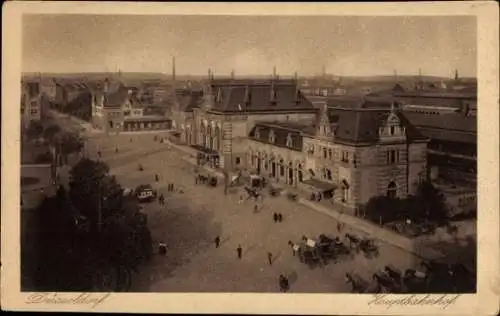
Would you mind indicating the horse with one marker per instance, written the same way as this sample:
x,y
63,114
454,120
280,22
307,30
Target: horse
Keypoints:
x,y
386,285
252,193
392,273
414,281
356,283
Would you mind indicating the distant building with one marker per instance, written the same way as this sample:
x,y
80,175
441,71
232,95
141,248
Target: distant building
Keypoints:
x,y
270,128
115,108
33,102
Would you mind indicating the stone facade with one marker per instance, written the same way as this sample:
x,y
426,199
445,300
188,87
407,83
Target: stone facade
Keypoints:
x,y
359,152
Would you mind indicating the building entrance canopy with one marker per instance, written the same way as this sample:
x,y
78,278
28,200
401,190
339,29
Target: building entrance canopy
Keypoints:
x,y
206,151
319,185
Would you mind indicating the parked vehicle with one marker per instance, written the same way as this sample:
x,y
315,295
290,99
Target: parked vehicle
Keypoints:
x,y
145,193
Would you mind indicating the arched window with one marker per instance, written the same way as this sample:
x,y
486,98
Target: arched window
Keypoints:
x,y
392,190
257,133
282,168
289,140
300,174
272,136
290,173
328,174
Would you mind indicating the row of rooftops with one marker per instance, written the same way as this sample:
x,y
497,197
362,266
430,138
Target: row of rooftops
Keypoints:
x,y
350,126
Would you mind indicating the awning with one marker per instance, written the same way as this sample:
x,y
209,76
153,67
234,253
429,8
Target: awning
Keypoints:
x,y
205,150
320,185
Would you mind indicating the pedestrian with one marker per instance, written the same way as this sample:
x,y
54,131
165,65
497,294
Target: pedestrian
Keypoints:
x,y
116,150
256,207
280,217
162,248
275,217
99,154
295,247
270,258
339,227
157,178
217,242
281,283
239,251
285,284
240,201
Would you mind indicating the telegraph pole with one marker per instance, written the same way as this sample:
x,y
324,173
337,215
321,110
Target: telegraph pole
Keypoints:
x,y
99,208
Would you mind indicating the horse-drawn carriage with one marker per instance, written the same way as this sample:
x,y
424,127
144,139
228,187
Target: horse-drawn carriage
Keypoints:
x,y
309,255
322,250
145,193
365,245
207,179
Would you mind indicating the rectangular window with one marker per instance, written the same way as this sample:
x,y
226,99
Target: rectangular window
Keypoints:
x,y
324,152
34,111
345,156
238,160
330,153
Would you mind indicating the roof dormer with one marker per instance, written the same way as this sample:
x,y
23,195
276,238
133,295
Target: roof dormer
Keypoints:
x,y
324,127
392,128
272,136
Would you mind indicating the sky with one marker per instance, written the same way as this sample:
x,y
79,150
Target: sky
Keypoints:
x,y
250,45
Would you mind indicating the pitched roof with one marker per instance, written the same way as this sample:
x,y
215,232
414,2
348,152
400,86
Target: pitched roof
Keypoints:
x,y
116,98
281,132
230,96
450,136
451,121
362,125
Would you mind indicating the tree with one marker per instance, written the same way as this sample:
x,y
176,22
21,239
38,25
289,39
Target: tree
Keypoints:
x,y
120,237
51,131
431,203
382,209
67,143
45,157
93,191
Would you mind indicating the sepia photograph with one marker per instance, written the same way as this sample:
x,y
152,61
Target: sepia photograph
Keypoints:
x,y
254,153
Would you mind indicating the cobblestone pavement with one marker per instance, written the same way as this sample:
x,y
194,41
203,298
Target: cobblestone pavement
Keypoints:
x,y
191,220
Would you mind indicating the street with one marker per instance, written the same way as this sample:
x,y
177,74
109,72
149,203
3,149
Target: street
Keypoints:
x,y
191,220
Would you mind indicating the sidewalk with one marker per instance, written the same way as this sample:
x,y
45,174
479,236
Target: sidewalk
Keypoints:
x,y
375,231
385,235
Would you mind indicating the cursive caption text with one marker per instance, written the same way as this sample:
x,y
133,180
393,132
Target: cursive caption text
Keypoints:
x,y
92,299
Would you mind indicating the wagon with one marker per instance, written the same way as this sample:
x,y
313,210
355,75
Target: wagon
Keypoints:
x,y
145,193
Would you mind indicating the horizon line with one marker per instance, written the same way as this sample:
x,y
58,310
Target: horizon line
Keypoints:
x,y
243,75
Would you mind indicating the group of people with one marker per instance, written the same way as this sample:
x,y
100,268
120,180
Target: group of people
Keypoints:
x,y
277,217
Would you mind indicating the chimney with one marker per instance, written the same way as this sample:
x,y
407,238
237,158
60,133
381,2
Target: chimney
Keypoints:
x,y
456,75
296,78
273,95
219,95
465,108
106,85
248,96
297,95
274,73
232,74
